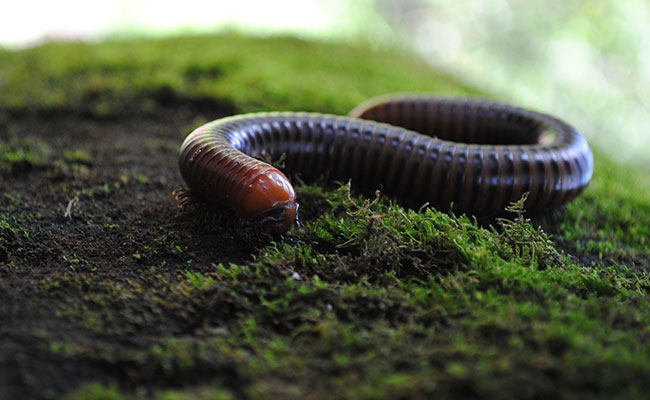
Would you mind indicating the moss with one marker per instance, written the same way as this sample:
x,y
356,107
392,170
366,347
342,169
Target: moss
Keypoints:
x,y
121,77
18,155
77,156
366,299
95,391
611,221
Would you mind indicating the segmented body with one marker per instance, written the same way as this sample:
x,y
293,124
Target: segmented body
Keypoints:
x,y
475,155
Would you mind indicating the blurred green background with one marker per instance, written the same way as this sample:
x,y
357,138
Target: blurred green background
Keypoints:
x,y
587,61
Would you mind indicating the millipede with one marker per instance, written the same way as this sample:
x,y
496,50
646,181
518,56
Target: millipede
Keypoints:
x,y
470,155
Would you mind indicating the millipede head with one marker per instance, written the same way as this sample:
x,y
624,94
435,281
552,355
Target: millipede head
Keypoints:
x,y
279,219
268,199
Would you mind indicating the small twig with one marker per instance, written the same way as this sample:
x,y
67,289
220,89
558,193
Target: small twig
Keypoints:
x,y
72,203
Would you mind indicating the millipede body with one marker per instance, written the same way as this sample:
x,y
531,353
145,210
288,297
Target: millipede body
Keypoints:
x,y
475,156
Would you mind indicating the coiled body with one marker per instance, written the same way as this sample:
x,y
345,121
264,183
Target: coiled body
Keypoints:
x,y
472,155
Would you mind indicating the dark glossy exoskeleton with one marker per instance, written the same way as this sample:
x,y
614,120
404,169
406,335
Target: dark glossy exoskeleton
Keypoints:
x,y
474,154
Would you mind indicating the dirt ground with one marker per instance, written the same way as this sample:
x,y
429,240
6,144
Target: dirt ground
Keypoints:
x,y
104,217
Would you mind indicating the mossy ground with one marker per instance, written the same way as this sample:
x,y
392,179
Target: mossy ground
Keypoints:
x,y
107,292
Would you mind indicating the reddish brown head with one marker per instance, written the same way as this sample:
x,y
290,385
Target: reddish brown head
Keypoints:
x,y
269,199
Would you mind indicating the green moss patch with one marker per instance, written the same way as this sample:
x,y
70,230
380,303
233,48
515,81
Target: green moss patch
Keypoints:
x,y
122,77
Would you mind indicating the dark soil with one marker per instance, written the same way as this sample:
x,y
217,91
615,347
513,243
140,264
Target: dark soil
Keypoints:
x,y
122,219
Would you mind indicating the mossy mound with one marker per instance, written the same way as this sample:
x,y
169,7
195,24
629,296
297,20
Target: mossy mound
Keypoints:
x,y
107,292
